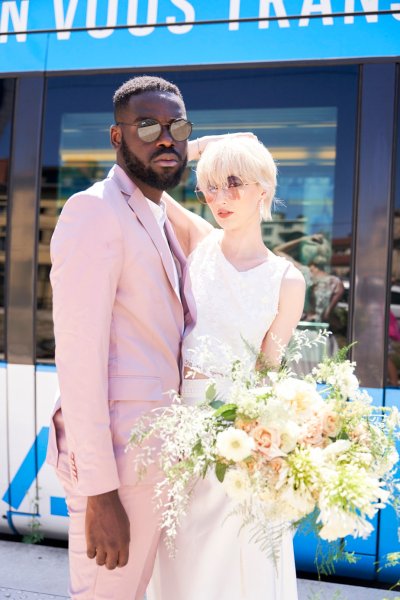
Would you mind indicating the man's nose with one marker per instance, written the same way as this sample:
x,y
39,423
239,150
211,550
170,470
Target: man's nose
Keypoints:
x,y
165,138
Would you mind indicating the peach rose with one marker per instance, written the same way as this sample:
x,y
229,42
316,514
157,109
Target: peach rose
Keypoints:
x,y
267,441
246,426
312,434
331,423
276,464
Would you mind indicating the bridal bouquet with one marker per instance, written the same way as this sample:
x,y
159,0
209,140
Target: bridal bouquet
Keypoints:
x,y
284,447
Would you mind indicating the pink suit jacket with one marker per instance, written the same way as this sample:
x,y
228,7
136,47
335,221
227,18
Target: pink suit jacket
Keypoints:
x,y
118,326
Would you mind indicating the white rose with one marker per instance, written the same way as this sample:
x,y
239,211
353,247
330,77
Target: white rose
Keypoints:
x,y
302,396
234,444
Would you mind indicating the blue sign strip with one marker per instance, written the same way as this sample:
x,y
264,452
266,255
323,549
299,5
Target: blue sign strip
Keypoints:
x,y
196,41
58,506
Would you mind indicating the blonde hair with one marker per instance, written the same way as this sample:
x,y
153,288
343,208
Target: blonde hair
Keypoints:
x,y
244,157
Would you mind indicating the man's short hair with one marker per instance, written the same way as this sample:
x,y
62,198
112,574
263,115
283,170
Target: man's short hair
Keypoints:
x,y
140,85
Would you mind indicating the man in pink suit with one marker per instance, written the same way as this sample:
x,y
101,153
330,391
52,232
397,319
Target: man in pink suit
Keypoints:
x,y
121,306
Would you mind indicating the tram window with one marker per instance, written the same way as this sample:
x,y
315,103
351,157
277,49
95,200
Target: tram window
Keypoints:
x,y
6,106
393,346
307,117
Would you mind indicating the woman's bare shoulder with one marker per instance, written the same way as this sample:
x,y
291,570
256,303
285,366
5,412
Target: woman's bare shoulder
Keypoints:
x,y
293,279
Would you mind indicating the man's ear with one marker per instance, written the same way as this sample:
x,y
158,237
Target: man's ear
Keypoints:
x,y
115,136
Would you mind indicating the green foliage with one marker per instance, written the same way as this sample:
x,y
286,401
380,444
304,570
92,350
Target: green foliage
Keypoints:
x,y
220,470
35,536
211,393
216,404
227,412
327,555
341,355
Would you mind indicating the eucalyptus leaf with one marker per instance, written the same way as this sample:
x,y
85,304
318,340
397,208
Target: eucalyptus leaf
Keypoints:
x,y
216,403
220,470
211,392
220,412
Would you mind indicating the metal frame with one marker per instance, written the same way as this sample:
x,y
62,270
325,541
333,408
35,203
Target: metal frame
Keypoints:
x,y
23,212
372,221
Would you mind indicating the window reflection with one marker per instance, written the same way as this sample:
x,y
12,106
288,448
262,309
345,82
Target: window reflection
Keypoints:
x,y
6,104
84,157
305,117
312,222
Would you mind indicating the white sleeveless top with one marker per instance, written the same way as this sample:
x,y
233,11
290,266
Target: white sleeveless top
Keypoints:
x,y
235,308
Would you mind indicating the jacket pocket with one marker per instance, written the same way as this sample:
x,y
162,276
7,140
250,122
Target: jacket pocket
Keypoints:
x,y
138,389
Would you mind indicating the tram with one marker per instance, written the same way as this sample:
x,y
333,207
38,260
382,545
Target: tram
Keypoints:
x,y
316,80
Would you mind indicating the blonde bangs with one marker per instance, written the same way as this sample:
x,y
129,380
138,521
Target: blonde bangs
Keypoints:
x,y
246,158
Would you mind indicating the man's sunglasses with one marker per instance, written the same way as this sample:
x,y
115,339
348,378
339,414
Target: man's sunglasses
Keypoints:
x,y
149,130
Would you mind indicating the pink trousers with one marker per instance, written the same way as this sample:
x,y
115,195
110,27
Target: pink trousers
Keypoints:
x,y
88,581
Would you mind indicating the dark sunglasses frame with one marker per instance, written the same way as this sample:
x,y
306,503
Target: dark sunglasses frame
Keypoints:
x,y
172,128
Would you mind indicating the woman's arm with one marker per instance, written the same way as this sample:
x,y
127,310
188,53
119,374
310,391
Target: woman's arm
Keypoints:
x,y
291,304
197,146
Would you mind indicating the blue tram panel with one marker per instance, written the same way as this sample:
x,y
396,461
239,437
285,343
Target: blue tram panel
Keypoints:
x,y
383,540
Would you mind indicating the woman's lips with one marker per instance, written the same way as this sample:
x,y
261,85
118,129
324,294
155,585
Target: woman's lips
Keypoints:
x,y
224,213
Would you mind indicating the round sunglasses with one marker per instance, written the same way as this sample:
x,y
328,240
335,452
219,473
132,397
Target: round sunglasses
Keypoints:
x,y
233,189
149,130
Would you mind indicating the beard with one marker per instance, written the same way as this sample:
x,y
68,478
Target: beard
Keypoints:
x,y
138,170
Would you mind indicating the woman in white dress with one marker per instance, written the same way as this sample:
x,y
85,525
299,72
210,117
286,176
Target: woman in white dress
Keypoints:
x,y
246,297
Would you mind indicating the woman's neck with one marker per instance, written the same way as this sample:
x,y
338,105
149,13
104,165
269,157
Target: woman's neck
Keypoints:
x,y
244,249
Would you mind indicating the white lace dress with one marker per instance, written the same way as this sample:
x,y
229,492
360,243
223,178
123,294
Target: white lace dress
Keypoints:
x,y
215,561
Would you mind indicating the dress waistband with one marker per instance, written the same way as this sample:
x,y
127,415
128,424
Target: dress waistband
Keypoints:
x,y
194,390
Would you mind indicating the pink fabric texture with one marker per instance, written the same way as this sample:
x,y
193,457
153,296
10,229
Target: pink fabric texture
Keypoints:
x,y
118,326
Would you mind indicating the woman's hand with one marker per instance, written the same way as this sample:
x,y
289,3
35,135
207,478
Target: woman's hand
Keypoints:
x,y
196,147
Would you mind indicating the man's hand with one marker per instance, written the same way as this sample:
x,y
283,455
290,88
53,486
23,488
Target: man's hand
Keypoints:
x,y
107,530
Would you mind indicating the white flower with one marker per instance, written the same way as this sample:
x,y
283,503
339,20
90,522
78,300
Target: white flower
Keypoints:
x,y
234,444
247,402
340,376
338,523
289,436
299,500
336,448
237,484
393,420
302,397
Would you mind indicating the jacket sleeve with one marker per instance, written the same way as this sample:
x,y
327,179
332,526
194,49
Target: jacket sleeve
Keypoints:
x,y
87,257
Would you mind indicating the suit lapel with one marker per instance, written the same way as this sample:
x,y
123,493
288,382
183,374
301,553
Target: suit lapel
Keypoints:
x,y
188,303
138,203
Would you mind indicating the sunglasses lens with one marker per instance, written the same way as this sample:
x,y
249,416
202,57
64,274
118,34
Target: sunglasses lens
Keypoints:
x,y
149,132
200,196
181,130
